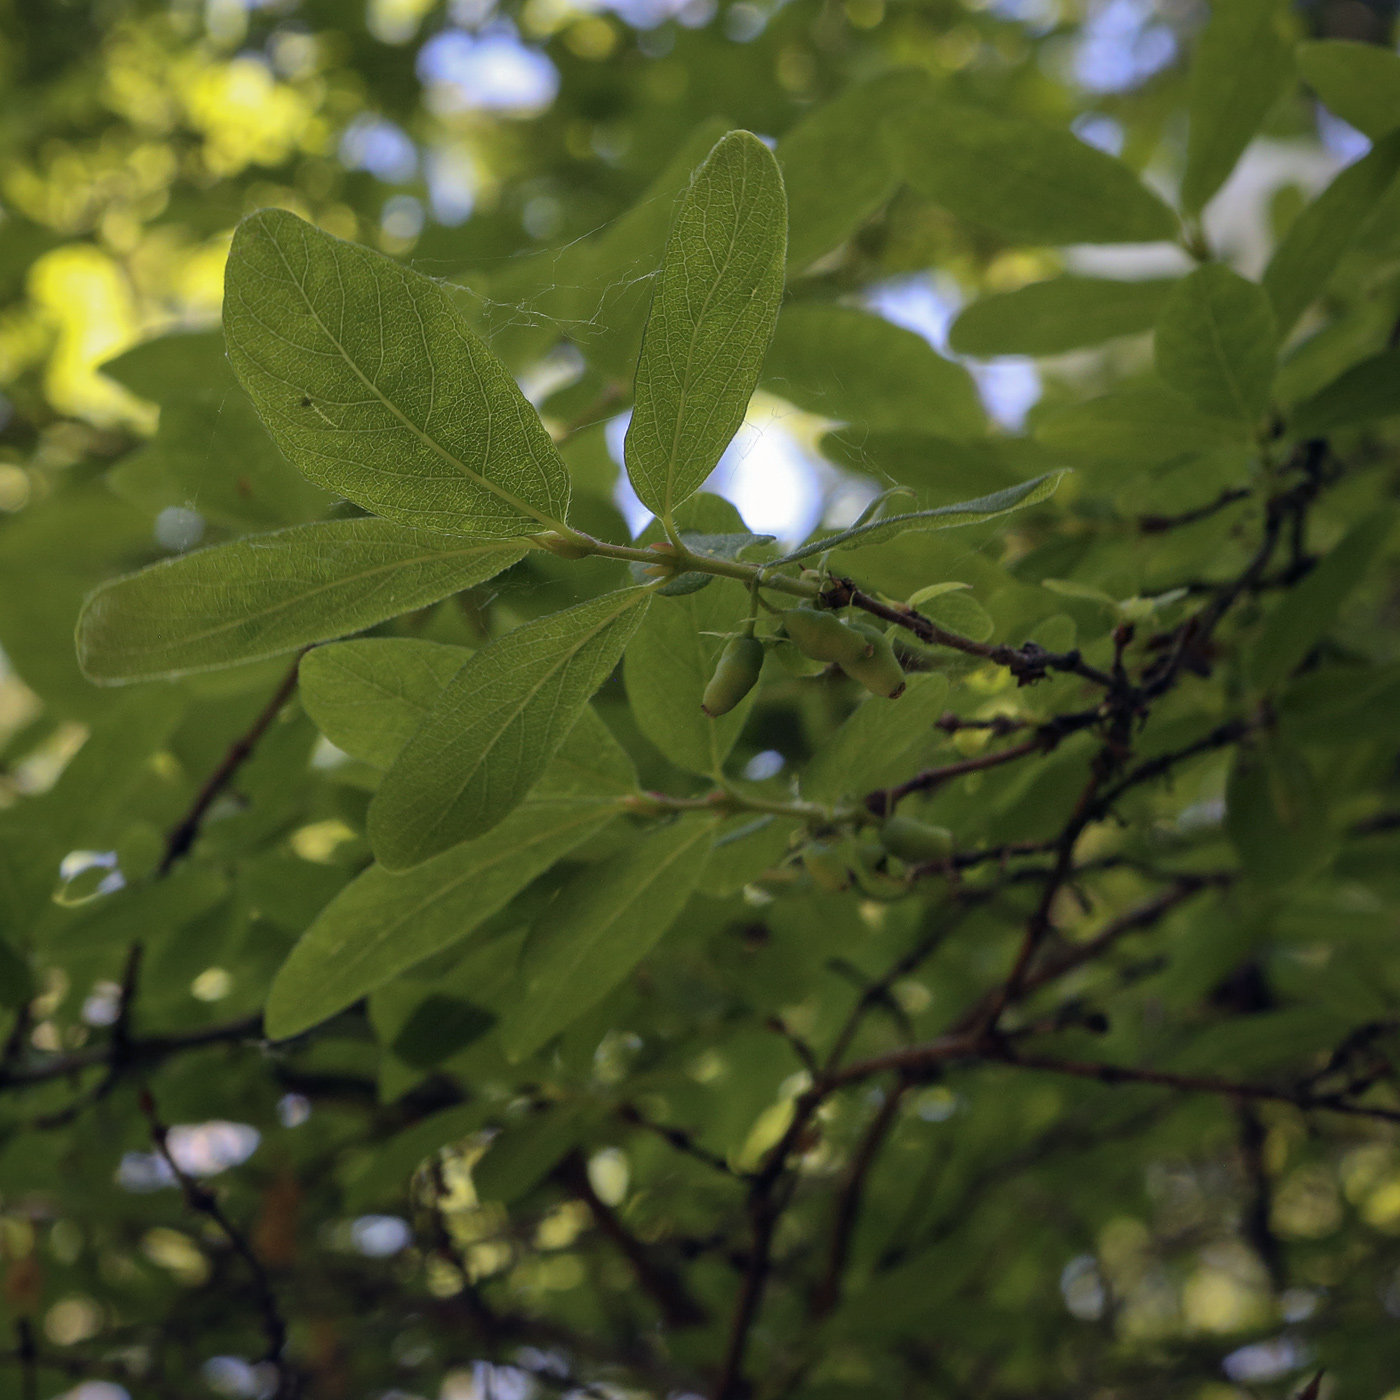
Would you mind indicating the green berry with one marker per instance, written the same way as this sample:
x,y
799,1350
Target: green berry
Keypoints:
x,y
735,675
879,671
915,841
824,637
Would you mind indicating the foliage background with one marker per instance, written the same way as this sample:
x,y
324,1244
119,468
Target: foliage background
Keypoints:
x,y
1025,1235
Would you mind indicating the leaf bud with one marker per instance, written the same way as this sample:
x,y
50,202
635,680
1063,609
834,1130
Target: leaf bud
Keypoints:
x,y
824,637
561,545
666,561
735,675
915,841
880,671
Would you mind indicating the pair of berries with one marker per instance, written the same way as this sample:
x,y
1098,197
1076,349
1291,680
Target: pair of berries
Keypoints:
x,y
863,652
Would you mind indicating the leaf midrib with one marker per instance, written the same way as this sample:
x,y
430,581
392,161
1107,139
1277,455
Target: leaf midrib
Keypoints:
x,y
528,696
188,639
450,458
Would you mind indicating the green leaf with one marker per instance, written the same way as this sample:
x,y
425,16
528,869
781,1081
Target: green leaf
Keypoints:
x,y
1367,390
368,697
1316,240
1359,82
603,924
211,452
857,367
1274,814
836,169
374,386
1030,183
519,1158
1306,611
878,743
1063,313
385,1175
1141,427
932,463
742,850
1217,343
384,922
269,594
669,663
1028,493
495,727
1068,588
712,315
1241,66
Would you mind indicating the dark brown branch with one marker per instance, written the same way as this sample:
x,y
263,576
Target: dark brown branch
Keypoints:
x,y
1259,1208
1197,1084
661,1283
27,1354
118,1048
1028,663
143,1053
1047,737
1220,737
883,801
1374,826
681,1140
1159,524
203,1201
827,1294
182,836
1000,725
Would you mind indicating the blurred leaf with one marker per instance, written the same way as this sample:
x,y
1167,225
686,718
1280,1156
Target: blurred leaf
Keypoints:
x,y
272,593
211,453
1316,240
1030,183
836,169
1359,82
1274,814
1217,343
878,741
1135,428
374,386
495,726
1367,390
368,697
1063,313
383,922
857,367
1305,613
1239,70
608,919
713,309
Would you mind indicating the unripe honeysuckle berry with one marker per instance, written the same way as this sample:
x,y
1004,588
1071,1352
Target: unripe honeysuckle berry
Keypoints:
x,y
735,675
915,841
879,671
824,637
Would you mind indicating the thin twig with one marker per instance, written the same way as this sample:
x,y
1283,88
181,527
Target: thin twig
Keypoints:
x,y
202,1200
681,1140
1158,524
660,1282
145,1053
827,1294
185,832
1028,663
1197,1084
